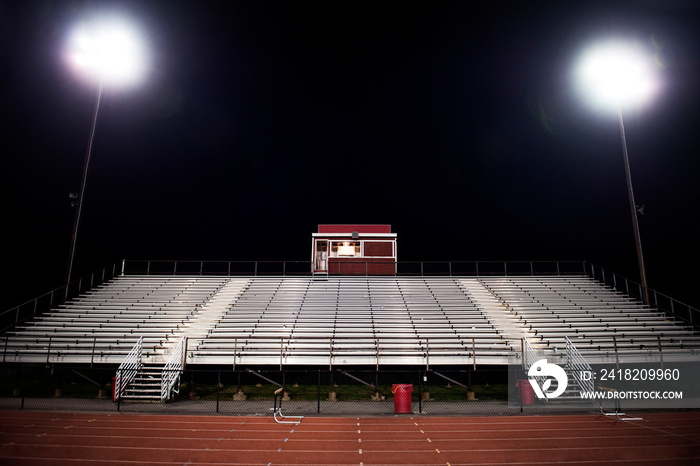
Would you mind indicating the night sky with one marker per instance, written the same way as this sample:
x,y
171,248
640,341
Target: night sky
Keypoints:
x,y
457,123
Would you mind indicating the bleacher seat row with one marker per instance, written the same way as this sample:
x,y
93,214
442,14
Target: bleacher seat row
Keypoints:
x,y
342,320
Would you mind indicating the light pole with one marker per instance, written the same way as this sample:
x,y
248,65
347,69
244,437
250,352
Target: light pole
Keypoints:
x,y
618,75
107,51
79,199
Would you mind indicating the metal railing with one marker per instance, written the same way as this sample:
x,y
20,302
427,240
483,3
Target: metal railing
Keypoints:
x,y
354,267
370,350
576,364
23,312
172,370
529,355
128,369
675,309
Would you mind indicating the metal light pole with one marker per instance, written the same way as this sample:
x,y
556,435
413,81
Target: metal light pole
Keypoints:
x,y
108,51
633,209
621,74
81,194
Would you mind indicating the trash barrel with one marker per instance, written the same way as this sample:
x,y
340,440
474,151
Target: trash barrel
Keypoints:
x,y
402,397
527,394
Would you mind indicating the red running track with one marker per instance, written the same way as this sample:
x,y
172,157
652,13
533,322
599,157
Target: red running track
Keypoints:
x,y
60,438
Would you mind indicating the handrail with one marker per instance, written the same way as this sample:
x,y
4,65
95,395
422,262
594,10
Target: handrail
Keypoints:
x,y
673,308
128,369
172,369
23,312
530,356
374,346
577,364
403,268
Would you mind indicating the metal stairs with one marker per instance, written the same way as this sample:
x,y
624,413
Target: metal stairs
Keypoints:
x,y
573,391
146,384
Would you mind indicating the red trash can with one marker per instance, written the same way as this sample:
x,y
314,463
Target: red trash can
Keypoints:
x,y
402,397
527,394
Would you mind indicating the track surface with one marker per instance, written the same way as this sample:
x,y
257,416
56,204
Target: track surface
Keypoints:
x,y
60,438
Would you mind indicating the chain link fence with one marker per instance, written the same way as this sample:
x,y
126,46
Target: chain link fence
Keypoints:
x,y
337,392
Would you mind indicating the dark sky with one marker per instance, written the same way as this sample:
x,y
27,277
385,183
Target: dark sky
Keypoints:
x,y
458,123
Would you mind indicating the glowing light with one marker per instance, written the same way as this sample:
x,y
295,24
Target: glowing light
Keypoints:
x,y
108,50
617,75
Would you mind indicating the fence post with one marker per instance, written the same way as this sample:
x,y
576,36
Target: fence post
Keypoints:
x,y
318,395
218,388
420,391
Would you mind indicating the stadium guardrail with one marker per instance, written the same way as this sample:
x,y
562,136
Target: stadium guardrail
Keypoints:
x,y
32,308
408,268
673,308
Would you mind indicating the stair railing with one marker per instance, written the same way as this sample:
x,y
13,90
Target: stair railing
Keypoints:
x,y
172,370
576,365
128,369
529,358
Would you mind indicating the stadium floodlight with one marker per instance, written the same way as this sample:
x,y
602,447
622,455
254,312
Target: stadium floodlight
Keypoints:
x,y
617,75
108,51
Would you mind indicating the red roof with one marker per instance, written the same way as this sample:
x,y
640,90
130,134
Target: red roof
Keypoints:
x,y
357,228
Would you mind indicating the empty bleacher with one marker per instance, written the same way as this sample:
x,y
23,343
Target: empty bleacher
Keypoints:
x,y
104,324
599,320
347,320
351,320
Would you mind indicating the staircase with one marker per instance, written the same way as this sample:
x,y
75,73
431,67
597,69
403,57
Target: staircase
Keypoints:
x,y
146,385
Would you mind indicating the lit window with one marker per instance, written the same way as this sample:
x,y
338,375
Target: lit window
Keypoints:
x,y
345,249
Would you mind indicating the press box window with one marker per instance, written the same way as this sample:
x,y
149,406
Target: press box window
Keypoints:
x,y
345,249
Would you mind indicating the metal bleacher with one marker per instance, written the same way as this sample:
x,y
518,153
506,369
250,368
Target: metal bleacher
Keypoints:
x,y
347,320
103,325
352,320
603,323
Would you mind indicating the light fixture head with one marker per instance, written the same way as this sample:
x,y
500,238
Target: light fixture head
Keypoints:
x,y
614,74
109,50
